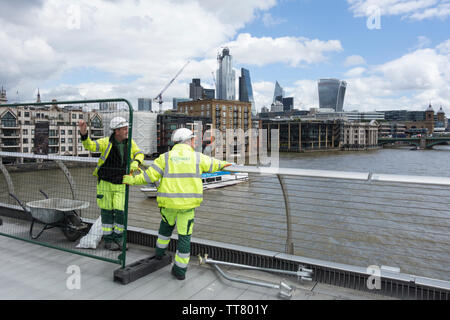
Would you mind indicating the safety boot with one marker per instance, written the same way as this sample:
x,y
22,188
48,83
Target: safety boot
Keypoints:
x,y
178,276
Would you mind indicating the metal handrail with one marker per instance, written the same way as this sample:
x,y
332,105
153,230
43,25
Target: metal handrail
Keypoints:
x,y
347,175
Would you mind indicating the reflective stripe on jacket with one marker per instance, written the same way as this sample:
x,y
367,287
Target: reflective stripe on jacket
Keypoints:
x,y
180,171
104,146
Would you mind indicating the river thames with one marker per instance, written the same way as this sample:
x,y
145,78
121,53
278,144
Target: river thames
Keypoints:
x,y
403,161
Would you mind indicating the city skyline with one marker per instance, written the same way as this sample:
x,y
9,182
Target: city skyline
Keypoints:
x,y
392,54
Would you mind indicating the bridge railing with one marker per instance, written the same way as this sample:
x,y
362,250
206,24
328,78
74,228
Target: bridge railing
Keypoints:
x,y
359,219
328,218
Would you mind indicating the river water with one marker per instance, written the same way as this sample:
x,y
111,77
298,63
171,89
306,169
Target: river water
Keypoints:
x,y
403,161
342,221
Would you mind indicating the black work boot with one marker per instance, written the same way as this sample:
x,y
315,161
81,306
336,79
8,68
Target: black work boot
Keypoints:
x,y
178,276
117,246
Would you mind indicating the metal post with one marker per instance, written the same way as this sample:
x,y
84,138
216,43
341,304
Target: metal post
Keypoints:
x,y
289,244
68,177
122,256
7,177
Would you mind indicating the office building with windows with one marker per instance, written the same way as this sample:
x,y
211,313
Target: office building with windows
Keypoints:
x,y
175,102
195,90
209,94
245,89
278,93
288,104
225,83
167,123
332,94
18,129
225,114
144,104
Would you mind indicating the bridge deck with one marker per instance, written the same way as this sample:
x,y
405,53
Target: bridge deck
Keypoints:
x,y
34,272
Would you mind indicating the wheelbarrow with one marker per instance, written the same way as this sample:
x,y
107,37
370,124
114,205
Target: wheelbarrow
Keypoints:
x,y
56,212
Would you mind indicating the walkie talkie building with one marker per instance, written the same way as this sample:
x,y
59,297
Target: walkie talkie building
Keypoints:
x,y
332,94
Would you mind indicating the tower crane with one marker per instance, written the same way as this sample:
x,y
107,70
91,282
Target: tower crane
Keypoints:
x,y
158,98
214,78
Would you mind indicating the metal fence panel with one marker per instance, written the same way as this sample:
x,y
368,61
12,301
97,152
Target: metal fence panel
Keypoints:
x,y
44,191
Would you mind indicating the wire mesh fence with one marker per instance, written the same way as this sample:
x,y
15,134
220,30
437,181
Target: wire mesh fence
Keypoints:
x,y
48,193
352,222
349,221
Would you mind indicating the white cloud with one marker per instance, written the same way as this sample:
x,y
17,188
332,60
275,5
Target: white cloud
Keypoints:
x,y
234,12
442,11
305,94
263,93
269,21
355,72
354,60
422,69
31,58
293,51
409,82
444,48
422,42
411,9
148,39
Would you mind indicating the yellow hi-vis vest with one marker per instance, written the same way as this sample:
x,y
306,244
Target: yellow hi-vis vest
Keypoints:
x,y
180,174
104,146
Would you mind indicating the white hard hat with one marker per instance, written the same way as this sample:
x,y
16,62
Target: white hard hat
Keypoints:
x,y
118,122
181,135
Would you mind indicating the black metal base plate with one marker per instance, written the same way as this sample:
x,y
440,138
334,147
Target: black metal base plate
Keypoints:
x,y
141,268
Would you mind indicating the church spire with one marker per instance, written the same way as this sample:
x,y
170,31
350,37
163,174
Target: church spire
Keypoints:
x,y
3,96
38,96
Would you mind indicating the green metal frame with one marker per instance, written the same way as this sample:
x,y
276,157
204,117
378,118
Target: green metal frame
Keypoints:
x,y
122,257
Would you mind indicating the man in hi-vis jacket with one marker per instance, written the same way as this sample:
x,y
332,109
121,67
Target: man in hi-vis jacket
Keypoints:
x,y
110,170
178,177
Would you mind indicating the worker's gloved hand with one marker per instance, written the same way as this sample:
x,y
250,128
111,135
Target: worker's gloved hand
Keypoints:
x,y
229,164
134,166
128,179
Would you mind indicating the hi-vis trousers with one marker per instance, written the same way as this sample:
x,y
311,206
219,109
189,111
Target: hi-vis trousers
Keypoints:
x,y
111,200
185,225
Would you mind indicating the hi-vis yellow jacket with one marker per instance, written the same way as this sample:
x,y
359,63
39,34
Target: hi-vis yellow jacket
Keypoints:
x,y
178,176
104,145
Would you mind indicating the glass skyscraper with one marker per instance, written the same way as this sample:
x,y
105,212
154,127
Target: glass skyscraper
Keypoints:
x,y
278,94
332,94
225,84
245,89
195,90
144,104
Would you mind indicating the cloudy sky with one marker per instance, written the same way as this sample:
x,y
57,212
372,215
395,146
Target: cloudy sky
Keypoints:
x,y
394,54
